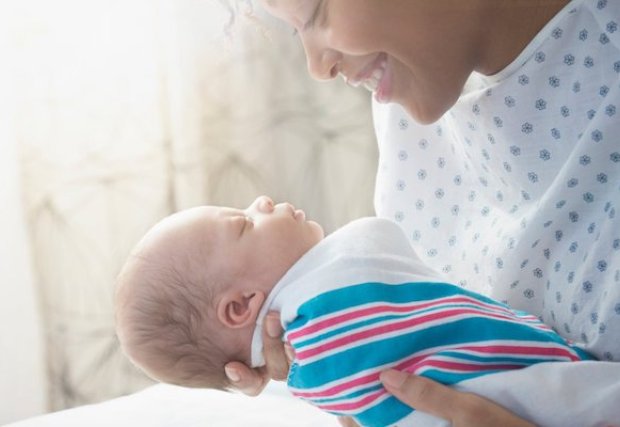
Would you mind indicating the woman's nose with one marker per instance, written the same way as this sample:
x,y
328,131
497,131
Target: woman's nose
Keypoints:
x,y
323,62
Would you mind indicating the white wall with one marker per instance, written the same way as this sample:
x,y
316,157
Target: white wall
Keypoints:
x,y
22,375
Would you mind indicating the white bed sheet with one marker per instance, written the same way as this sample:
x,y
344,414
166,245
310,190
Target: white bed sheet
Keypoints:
x,y
164,405
581,394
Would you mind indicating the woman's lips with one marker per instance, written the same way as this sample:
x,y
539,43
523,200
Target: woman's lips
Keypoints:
x,y
383,93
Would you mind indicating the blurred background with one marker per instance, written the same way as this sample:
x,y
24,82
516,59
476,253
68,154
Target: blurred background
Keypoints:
x,y
115,113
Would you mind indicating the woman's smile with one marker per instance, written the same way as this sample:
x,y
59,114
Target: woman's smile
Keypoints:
x,y
376,77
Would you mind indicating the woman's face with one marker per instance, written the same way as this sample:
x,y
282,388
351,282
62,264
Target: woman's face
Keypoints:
x,y
417,53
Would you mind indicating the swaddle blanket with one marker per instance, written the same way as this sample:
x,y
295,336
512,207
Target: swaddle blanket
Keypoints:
x,y
361,301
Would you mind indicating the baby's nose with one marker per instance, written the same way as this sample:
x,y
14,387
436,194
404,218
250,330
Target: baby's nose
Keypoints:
x,y
285,206
263,204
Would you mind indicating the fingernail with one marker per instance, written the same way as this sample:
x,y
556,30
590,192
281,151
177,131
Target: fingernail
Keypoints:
x,y
232,374
393,379
273,326
290,353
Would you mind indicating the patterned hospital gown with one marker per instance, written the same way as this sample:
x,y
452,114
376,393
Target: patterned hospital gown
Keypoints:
x,y
515,192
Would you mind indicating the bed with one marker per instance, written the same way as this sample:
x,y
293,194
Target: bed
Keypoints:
x,y
165,405
590,389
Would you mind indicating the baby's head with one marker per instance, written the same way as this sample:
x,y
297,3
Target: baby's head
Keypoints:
x,y
189,295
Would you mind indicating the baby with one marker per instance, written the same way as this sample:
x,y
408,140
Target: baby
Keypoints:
x,y
194,292
188,298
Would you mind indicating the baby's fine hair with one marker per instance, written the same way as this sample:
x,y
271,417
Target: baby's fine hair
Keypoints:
x,y
163,323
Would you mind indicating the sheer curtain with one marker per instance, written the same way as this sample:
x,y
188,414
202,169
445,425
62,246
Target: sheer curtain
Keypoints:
x,y
21,347
128,110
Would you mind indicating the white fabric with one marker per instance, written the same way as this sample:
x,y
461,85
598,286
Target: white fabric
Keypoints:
x,y
375,249
170,406
365,250
580,394
515,192
165,405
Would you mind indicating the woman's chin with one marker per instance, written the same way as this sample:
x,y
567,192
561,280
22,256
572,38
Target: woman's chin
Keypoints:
x,y
426,112
423,116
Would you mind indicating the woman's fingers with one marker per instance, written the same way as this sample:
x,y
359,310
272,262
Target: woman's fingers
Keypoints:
x,y
461,409
246,380
290,353
252,381
347,422
273,347
420,393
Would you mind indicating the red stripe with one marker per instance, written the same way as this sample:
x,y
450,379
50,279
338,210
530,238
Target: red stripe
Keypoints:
x,y
360,381
411,364
526,350
461,366
366,379
350,406
353,405
384,329
345,317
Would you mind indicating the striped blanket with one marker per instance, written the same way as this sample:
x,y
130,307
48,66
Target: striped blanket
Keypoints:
x,y
361,301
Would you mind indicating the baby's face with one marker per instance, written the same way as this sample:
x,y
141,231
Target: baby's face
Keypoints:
x,y
260,242
266,236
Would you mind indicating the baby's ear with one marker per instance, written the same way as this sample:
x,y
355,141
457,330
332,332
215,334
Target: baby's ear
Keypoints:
x,y
237,309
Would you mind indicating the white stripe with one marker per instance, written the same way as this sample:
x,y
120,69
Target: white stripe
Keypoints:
x,y
357,411
365,372
387,335
431,351
482,306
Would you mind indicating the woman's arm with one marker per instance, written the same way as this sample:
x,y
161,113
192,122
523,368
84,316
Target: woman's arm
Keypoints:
x,y
252,381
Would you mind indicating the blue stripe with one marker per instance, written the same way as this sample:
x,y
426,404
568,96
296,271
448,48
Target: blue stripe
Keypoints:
x,y
388,350
365,293
474,329
387,412
367,322
366,390
449,378
493,358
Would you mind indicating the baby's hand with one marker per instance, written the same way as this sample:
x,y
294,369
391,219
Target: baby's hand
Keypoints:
x,y
252,381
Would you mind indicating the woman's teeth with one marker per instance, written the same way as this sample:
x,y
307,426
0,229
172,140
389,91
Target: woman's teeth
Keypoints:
x,y
372,82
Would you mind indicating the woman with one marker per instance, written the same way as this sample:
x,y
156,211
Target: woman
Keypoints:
x,y
499,156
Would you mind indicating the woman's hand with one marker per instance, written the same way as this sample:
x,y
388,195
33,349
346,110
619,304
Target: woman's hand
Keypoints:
x,y
252,381
461,409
